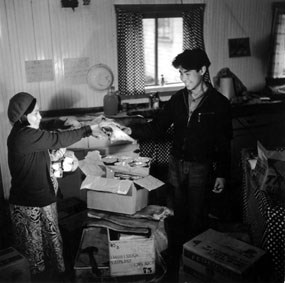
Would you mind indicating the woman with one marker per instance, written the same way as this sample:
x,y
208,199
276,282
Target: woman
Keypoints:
x,y
32,195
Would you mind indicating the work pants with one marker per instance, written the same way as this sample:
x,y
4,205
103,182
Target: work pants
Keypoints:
x,y
192,183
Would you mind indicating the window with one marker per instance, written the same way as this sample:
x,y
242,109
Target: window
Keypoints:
x,y
276,74
163,40
148,39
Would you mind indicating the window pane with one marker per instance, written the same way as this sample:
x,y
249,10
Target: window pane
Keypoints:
x,y
278,64
169,44
149,50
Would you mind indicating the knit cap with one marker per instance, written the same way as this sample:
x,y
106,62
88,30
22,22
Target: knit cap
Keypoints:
x,y
18,105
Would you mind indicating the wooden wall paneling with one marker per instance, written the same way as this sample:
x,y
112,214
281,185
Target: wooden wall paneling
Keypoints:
x,y
66,48
13,45
26,42
105,42
6,87
233,19
43,47
55,94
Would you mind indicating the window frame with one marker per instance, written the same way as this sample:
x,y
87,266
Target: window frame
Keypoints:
x,y
277,9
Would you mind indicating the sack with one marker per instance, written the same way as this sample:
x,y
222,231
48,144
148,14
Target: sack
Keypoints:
x,y
63,160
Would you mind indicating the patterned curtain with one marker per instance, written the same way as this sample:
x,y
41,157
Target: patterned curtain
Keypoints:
x,y
130,52
193,33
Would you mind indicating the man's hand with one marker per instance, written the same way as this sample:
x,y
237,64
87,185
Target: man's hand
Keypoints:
x,y
106,128
96,132
219,185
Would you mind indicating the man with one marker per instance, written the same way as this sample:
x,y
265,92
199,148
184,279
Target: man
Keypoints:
x,y
200,156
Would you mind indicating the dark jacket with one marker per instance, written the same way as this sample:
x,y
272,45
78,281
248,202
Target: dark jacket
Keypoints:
x,y
29,163
205,137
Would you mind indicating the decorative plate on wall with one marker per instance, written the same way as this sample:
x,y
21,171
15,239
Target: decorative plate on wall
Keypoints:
x,y
100,77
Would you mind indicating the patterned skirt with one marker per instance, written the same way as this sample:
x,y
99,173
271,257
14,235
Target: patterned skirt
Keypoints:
x,y
37,236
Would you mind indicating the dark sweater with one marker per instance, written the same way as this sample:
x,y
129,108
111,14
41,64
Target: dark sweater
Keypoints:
x,y
29,162
205,137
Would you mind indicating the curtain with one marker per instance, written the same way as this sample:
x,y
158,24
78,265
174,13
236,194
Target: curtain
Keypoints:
x,y
193,33
130,52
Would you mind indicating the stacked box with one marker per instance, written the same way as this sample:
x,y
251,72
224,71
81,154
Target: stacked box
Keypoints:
x,y
121,196
217,257
116,255
131,255
122,188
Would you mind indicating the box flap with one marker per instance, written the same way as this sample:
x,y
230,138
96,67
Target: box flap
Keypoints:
x,y
97,183
149,183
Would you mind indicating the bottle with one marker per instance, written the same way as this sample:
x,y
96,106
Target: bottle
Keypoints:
x,y
162,81
156,101
110,102
119,101
151,98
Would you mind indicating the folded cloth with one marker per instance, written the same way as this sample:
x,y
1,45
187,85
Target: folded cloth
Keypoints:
x,y
137,223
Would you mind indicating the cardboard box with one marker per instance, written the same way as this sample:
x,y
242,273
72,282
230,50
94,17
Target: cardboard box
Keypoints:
x,y
121,196
14,267
92,237
216,257
131,255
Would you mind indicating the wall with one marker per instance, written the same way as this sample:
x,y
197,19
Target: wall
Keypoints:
x,y
42,29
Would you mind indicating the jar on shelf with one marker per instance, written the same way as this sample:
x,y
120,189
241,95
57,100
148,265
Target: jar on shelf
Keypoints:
x,y
111,102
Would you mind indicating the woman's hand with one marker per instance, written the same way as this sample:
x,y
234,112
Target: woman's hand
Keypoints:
x,y
72,122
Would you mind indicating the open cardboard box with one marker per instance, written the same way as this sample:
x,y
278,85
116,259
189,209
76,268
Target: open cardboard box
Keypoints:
x,y
121,196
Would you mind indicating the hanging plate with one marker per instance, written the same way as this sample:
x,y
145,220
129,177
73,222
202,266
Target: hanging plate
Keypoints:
x,y
100,77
